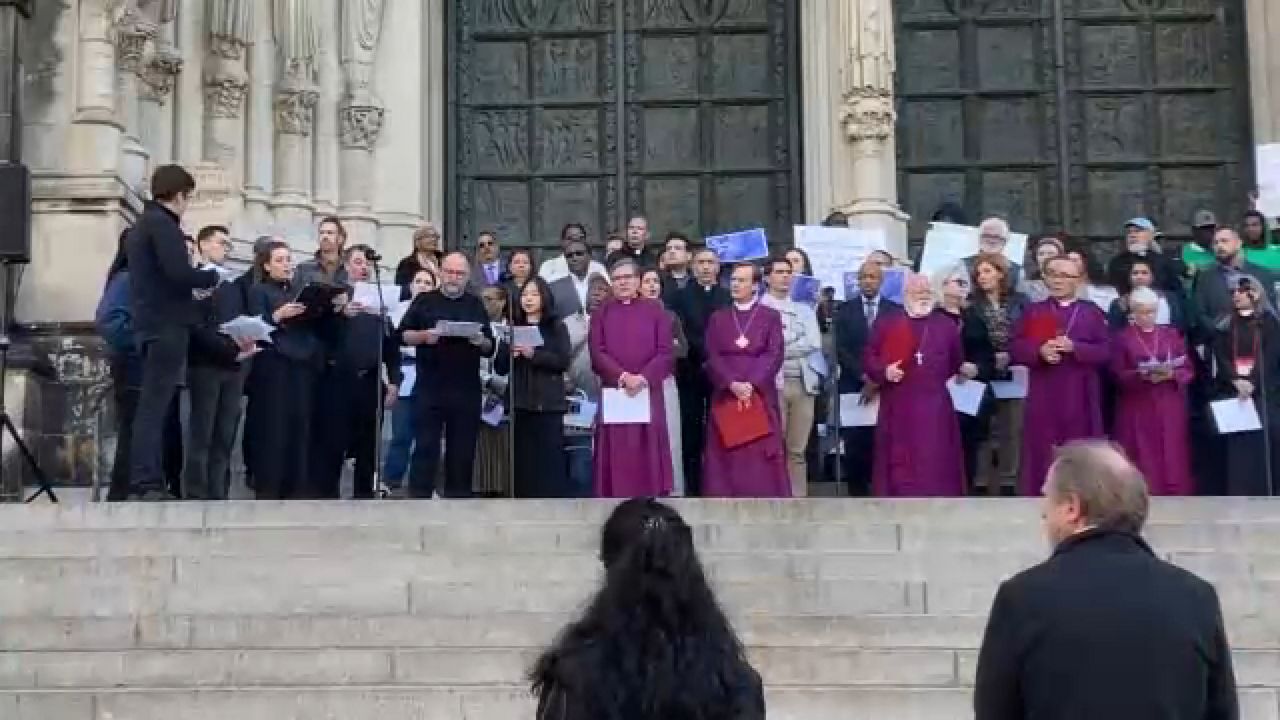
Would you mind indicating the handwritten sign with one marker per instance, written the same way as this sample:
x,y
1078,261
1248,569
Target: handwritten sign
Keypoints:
x,y
836,251
1268,165
740,246
946,244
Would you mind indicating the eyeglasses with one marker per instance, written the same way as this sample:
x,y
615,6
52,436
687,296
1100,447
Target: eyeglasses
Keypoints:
x,y
993,238
485,244
454,273
961,282
1062,276
575,253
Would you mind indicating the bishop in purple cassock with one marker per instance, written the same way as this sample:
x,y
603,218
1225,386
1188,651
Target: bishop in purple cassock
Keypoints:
x,y
744,348
917,442
1065,343
1152,370
630,339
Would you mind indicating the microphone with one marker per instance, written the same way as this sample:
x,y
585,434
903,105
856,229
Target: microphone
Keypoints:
x,y
373,256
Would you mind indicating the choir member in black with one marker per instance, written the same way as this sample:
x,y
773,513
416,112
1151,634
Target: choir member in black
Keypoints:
x,y
997,308
855,319
1246,351
425,255
284,382
952,291
536,385
351,393
694,305
448,379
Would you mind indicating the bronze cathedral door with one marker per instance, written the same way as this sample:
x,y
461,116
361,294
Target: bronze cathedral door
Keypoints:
x,y
1073,114
590,110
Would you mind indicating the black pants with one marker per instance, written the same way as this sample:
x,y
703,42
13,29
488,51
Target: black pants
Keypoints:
x,y
858,460
345,424
164,365
541,470
215,394
695,399
124,390
279,417
459,420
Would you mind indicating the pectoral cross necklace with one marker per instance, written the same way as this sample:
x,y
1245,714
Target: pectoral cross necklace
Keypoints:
x,y
742,342
920,347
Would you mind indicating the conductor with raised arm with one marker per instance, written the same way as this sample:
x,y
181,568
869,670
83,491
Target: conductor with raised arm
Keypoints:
x,y
447,390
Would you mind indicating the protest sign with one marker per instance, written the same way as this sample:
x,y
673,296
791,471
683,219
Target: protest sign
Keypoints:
x,y
739,246
834,251
946,244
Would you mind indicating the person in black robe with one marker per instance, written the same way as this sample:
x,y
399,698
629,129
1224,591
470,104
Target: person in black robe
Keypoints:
x,y
447,389
694,306
1246,351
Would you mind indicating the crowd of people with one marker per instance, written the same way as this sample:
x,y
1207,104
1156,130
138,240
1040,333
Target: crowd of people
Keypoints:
x,y
646,372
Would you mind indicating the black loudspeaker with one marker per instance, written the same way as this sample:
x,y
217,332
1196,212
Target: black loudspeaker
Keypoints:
x,y
15,213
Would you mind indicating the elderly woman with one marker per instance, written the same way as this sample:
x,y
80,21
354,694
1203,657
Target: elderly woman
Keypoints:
x,y
911,357
1246,351
425,256
951,288
1152,371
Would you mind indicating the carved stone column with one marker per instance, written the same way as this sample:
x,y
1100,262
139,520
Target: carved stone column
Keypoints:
x,y
361,114
1263,25
188,100
296,35
133,34
434,109
328,125
95,133
158,77
260,155
226,84
848,90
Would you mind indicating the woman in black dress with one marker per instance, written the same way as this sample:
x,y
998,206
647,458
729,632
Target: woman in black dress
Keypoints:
x,y
653,644
537,389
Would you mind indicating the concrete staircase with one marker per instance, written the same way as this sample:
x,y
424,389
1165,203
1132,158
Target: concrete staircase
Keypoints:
x,y
434,610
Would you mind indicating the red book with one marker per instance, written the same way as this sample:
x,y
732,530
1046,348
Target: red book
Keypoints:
x,y
1042,326
740,423
899,343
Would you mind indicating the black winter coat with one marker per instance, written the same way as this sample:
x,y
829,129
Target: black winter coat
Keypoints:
x,y
1105,630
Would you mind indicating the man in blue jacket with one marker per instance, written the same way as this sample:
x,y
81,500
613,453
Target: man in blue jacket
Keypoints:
x,y
164,311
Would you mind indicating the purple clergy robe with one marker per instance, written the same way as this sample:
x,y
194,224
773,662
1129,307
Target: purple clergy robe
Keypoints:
x,y
633,337
757,469
1064,402
1151,419
917,444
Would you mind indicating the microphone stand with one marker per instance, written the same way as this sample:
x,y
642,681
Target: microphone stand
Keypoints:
x,y
511,403
381,402
1262,389
834,392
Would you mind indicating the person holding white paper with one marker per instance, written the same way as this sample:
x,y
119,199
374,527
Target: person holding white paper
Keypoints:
x,y
997,307
1246,351
396,464
630,342
538,394
652,287
910,358
798,383
1151,368
993,237
492,474
951,289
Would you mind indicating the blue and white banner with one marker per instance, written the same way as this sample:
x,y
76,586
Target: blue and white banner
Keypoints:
x,y
740,246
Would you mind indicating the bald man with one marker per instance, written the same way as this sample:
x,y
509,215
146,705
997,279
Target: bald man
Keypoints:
x,y
447,390
1104,629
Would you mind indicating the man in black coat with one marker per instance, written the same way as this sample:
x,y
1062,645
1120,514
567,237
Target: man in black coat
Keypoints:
x,y
694,306
162,278
1104,629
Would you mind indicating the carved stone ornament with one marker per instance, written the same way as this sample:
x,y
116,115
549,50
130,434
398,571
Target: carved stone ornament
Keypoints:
x,y
159,74
226,47
361,125
224,94
132,34
868,115
296,110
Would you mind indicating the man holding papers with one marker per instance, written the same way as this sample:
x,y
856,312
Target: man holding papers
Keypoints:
x,y
1065,343
1152,372
630,341
744,456
1246,352
911,358
448,378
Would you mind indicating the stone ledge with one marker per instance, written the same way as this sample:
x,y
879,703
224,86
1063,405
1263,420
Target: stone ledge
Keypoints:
x,y
59,192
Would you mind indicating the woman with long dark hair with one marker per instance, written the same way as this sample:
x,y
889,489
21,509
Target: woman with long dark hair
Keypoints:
x,y
654,643
538,393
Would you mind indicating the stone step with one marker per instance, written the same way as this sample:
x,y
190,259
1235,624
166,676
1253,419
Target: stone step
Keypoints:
x,y
200,669
578,539
485,513
483,703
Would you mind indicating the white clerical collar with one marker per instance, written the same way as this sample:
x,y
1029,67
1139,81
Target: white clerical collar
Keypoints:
x,y
744,306
1065,303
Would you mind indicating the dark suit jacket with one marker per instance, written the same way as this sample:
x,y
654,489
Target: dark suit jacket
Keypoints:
x,y
565,296
1105,630
852,334
479,281
161,275
694,306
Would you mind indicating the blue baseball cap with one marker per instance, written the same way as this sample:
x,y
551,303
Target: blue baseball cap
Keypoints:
x,y
1142,224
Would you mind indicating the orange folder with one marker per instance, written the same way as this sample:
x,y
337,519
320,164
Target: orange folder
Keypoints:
x,y
740,423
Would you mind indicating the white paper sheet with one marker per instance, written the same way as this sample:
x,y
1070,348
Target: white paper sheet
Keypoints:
x,y
854,414
582,413
248,327
617,408
1267,162
397,313
1234,415
466,330
492,412
1015,389
966,397
946,243
410,373
526,335
367,295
